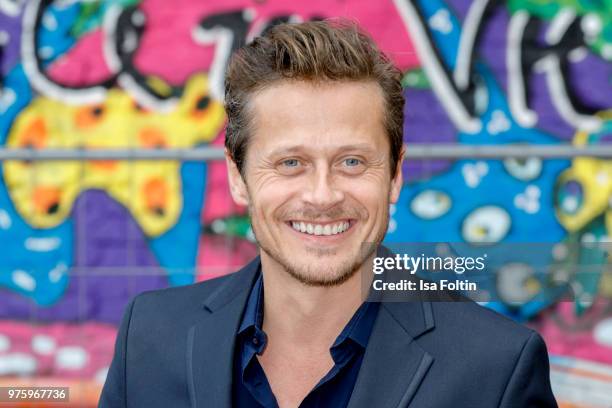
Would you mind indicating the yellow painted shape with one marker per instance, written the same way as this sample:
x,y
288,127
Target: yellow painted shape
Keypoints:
x,y
118,123
595,176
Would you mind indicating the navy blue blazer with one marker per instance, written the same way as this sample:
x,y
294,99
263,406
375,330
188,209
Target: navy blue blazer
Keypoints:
x,y
175,347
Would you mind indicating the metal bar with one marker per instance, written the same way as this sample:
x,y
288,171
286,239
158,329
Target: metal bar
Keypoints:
x,y
518,151
195,154
413,152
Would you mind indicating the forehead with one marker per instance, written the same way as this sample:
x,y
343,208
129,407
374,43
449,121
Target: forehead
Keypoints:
x,y
318,114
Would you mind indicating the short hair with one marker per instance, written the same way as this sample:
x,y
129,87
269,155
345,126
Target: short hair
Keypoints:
x,y
330,50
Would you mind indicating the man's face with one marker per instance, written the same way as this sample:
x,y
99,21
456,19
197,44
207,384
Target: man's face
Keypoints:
x,y
318,182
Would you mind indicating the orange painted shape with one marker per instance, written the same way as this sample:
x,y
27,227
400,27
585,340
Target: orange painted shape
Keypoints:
x,y
88,116
35,135
152,138
155,193
46,199
104,165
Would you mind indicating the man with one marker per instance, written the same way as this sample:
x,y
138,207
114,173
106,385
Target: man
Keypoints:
x,y
314,149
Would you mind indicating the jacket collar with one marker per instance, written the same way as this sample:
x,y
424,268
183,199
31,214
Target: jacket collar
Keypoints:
x,y
235,284
393,360
210,342
394,363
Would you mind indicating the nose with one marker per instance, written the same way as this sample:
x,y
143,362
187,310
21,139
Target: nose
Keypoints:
x,y
322,191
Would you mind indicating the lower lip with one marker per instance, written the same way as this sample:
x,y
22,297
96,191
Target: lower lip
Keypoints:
x,y
327,239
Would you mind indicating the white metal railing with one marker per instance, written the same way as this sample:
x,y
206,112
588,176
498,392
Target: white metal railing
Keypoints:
x,y
413,152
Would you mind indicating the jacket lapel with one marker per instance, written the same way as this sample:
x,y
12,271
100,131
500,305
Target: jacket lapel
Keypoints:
x,y
210,342
393,361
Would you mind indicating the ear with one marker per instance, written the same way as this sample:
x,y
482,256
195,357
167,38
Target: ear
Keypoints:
x,y
237,185
398,180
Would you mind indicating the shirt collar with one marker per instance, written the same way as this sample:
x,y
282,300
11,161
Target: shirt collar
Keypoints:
x,y
253,313
357,329
360,326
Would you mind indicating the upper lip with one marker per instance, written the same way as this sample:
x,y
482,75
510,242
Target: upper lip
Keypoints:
x,y
322,222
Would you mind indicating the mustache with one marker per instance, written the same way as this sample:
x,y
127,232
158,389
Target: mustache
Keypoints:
x,y
315,214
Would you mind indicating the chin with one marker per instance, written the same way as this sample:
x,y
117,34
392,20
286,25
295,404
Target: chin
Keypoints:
x,y
326,270
328,278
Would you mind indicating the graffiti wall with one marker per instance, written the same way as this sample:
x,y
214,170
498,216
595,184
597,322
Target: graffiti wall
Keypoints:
x,y
78,239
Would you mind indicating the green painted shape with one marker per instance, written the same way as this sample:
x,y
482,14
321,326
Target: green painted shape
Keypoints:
x,y
233,226
92,14
416,78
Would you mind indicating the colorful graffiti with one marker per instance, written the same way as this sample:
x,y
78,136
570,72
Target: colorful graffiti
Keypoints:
x,y
80,239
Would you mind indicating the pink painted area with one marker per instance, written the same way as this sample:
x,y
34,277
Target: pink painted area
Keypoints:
x,y
168,36
96,340
567,335
218,202
219,255
84,64
172,22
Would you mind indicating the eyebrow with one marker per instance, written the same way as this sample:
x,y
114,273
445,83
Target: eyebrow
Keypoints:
x,y
299,148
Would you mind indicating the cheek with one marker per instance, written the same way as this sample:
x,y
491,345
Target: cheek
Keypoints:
x,y
265,183
373,194
270,195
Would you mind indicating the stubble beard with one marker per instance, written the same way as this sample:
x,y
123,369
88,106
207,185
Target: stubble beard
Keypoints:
x,y
333,275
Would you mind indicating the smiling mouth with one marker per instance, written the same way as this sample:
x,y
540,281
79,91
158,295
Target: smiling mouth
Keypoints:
x,y
327,229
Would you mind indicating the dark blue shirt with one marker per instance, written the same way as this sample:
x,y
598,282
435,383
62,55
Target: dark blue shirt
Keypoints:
x,y
250,385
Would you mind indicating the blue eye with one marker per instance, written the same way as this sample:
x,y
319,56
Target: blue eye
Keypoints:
x,y
291,162
352,162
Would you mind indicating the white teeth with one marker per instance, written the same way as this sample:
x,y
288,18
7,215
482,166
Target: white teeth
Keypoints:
x,y
318,229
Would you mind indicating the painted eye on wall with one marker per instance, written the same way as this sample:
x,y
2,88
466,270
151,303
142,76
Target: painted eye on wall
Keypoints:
x,y
516,284
486,224
46,199
88,116
35,135
201,105
524,169
155,193
569,197
139,108
430,204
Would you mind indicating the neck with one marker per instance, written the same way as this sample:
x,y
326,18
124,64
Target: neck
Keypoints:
x,y
303,315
